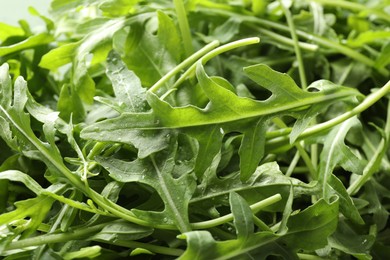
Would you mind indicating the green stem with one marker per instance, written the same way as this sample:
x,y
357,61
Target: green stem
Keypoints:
x,y
229,217
228,47
80,234
184,27
282,135
293,164
258,222
301,67
355,7
284,40
214,53
306,158
152,248
309,257
77,234
317,39
187,62
365,104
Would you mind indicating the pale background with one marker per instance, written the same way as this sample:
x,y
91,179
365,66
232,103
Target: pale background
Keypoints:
x,y
11,11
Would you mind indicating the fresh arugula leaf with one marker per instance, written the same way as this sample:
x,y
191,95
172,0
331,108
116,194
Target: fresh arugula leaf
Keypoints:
x,y
127,131
157,173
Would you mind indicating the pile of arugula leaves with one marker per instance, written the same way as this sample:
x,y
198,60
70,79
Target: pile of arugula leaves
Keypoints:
x,y
198,129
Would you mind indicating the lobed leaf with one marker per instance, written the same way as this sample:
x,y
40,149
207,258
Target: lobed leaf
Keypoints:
x,y
157,173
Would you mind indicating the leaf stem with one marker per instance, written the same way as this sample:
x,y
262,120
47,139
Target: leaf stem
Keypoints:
x,y
355,7
184,27
311,37
187,62
281,135
258,222
214,53
77,234
229,217
366,103
290,23
309,257
150,247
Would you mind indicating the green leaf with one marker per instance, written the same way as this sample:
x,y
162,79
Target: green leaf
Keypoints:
x,y
310,228
243,216
85,252
252,147
347,207
59,56
368,37
226,107
201,245
127,86
157,173
9,31
121,230
35,209
19,176
209,139
118,7
335,153
266,177
146,54
70,105
29,43
352,243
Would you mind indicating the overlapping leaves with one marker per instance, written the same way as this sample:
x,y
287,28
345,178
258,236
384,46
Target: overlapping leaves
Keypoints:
x,y
226,112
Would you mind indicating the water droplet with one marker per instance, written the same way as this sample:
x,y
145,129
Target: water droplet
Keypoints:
x,y
165,220
221,130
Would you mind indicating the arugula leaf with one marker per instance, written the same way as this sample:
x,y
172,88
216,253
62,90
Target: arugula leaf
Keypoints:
x,y
127,130
30,42
157,173
309,229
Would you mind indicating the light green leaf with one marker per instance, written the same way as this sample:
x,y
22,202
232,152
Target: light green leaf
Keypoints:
x,y
36,209
85,252
368,37
169,36
127,86
7,30
226,107
145,54
118,7
19,176
59,56
29,43
77,53
70,105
